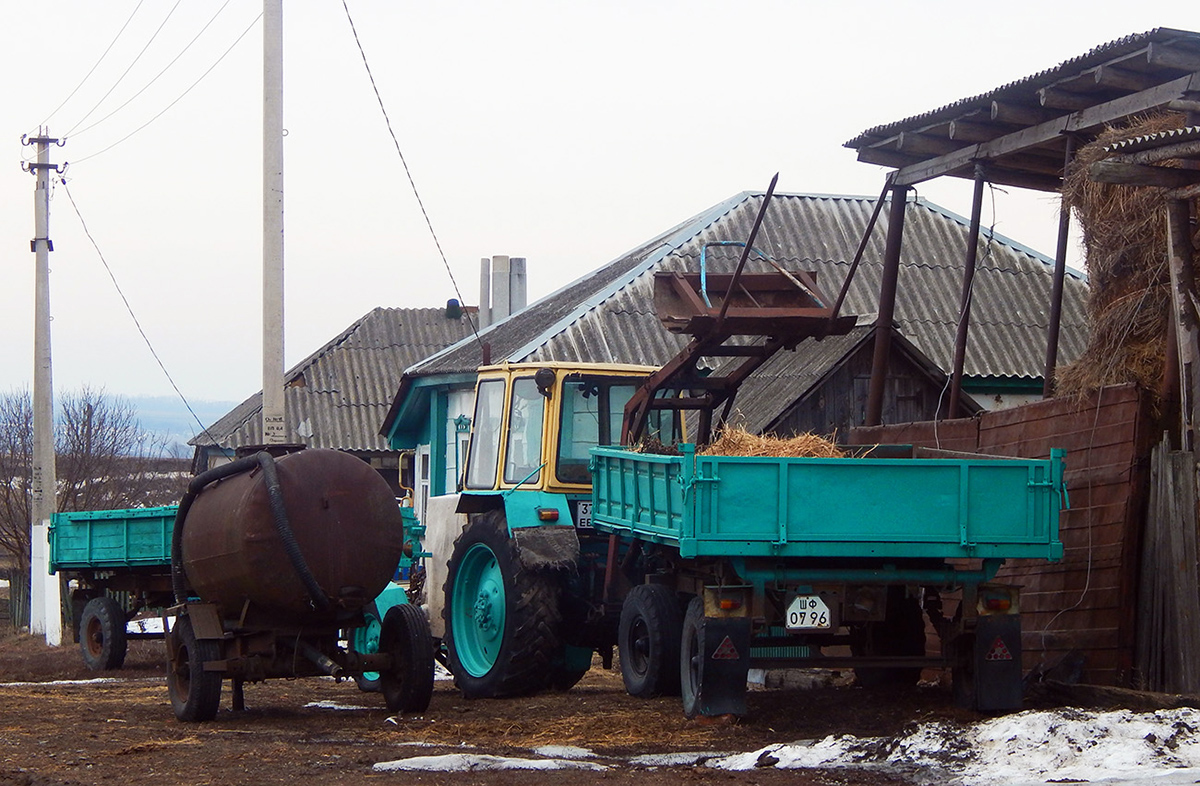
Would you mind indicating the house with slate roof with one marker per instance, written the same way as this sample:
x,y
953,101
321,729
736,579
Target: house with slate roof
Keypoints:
x,y
608,316
336,397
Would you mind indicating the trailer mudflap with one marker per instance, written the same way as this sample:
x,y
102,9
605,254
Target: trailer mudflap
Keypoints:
x,y
997,682
725,644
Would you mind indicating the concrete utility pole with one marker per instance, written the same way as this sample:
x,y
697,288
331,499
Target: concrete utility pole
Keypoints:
x,y
273,410
45,615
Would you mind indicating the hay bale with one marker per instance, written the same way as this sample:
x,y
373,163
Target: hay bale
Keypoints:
x,y
736,441
1129,297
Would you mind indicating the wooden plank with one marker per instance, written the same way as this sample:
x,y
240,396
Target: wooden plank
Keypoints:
x,y
1084,120
1130,174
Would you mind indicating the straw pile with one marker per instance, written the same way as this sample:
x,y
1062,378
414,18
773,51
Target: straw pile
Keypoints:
x,y
736,441
1124,235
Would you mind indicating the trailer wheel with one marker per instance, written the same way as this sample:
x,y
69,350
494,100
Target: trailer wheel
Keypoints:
x,y
365,640
102,634
502,619
902,632
691,658
195,693
408,687
648,641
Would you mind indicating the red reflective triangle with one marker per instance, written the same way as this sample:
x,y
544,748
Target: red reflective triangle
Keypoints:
x,y
726,651
999,651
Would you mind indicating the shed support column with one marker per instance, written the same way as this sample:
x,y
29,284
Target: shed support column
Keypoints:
x,y
887,306
1183,314
1060,272
964,309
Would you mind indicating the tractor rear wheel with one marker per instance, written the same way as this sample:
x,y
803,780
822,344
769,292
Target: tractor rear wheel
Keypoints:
x,y
648,641
102,634
405,635
502,619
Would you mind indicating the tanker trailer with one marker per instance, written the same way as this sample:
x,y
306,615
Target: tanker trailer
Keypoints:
x,y
271,561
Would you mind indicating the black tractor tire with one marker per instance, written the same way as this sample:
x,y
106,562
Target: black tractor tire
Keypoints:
x,y
648,641
408,687
902,632
691,657
102,637
195,693
505,639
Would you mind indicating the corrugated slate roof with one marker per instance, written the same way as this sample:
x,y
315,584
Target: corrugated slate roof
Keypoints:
x,y
1019,90
343,390
608,315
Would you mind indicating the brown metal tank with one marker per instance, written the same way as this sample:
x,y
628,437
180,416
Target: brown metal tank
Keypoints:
x,y
344,519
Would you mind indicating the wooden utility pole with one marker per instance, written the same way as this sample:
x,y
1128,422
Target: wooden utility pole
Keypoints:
x,y
44,603
273,409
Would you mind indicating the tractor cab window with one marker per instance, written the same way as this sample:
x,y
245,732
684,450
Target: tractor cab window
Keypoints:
x,y
484,456
592,411
523,451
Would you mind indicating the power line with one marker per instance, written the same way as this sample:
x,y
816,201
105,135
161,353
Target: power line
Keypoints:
x,y
203,429
411,182
160,73
128,69
181,96
94,67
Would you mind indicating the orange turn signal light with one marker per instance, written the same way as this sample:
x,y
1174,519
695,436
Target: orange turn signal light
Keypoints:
x,y
997,603
730,604
547,514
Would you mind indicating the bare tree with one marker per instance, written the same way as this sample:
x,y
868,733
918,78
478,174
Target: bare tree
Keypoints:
x,y
104,461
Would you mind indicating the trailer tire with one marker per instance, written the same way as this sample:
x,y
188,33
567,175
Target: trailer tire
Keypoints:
x,y
648,641
902,632
502,619
691,657
102,637
195,693
408,687
365,640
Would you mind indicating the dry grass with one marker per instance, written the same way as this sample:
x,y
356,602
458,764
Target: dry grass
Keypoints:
x,y
1124,233
736,441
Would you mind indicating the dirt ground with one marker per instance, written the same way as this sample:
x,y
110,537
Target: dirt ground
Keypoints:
x,y
124,732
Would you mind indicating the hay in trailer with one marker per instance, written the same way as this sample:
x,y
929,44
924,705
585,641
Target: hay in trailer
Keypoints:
x,y
736,441
1125,242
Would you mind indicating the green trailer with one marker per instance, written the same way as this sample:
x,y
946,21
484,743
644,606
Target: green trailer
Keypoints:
x,y
104,554
783,557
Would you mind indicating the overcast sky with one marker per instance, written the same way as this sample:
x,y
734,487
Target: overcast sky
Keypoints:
x,y
564,132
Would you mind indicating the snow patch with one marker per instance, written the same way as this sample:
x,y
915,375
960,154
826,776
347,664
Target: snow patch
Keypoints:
x,y
333,705
470,762
563,752
681,759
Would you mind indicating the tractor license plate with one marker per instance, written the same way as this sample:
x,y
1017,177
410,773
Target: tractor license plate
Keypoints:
x,y
808,612
583,515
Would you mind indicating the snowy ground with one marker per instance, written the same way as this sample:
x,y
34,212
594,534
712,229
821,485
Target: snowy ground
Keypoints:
x,y
1035,747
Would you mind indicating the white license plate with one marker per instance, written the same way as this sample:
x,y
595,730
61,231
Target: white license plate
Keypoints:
x,y
583,514
808,612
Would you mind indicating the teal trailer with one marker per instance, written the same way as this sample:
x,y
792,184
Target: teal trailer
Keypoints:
x,y
107,553
782,557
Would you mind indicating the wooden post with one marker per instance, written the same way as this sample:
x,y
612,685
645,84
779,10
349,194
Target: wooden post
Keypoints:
x,y
887,306
964,309
1060,274
1184,314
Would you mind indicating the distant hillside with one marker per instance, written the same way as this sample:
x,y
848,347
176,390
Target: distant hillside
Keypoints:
x,y
168,416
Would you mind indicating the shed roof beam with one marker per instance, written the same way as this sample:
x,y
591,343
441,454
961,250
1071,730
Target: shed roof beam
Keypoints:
x,y
1166,56
1018,114
1122,79
1083,120
1057,98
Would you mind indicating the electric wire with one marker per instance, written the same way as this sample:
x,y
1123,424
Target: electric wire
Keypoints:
x,y
177,100
94,67
407,172
128,69
203,429
167,67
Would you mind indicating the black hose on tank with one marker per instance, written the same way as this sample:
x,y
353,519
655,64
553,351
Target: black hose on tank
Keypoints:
x,y
197,484
264,460
290,546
